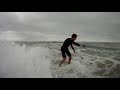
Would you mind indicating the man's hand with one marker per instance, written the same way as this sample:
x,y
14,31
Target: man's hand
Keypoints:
x,y
84,46
74,51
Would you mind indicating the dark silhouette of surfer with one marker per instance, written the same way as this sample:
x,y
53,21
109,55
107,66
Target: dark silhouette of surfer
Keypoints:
x,y
64,49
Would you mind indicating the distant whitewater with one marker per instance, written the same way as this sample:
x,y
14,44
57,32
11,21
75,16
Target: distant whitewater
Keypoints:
x,y
30,59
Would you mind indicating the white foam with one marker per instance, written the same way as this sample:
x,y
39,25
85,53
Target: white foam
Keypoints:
x,y
19,62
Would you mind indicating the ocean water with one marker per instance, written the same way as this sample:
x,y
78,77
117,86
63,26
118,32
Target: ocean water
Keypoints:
x,y
41,59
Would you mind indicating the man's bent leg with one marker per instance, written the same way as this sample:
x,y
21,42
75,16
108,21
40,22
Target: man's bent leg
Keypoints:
x,y
69,54
70,59
62,62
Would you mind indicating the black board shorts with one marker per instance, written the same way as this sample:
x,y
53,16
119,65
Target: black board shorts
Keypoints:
x,y
65,51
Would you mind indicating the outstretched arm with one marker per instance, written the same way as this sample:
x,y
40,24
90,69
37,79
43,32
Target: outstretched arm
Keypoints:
x,y
76,43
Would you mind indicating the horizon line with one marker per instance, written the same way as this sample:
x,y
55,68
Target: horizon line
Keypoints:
x,y
58,41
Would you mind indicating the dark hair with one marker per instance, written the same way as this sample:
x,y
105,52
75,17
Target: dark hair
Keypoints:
x,y
74,35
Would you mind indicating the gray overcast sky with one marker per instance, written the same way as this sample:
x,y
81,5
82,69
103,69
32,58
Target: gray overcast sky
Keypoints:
x,y
90,26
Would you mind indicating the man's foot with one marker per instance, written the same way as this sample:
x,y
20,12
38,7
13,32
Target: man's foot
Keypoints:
x,y
62,62
59,65
68,62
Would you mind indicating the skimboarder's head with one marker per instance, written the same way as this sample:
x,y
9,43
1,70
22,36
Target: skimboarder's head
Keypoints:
x,y
73,37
